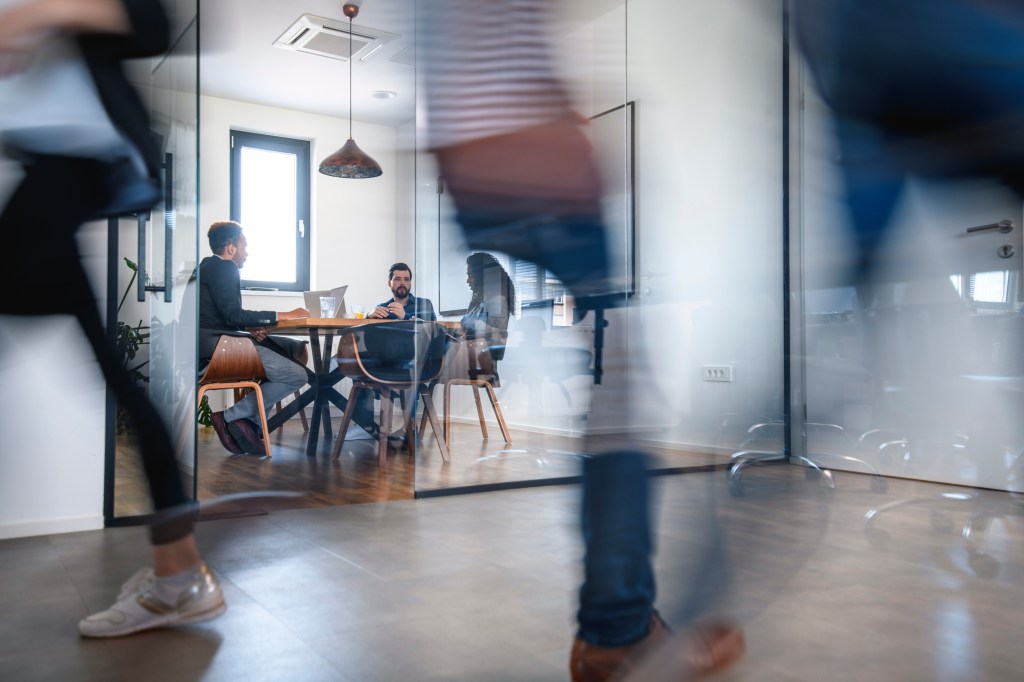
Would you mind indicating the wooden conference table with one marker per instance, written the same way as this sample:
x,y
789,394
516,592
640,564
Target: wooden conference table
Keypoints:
x,y
322,379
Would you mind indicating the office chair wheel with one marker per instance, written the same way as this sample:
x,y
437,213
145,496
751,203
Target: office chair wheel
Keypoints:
x,y
828,487
735,485
879,484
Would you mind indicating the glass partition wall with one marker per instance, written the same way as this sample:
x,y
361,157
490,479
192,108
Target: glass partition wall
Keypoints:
x,y
914,371
158,299
692,163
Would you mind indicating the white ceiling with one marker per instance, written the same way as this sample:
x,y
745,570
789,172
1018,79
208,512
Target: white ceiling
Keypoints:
x,y
238,60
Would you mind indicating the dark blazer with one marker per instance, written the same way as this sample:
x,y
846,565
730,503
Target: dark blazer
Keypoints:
x,y
220,304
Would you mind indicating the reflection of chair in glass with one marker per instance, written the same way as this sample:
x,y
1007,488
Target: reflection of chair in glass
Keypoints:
x,y
392,356
833,370
236,364
537,362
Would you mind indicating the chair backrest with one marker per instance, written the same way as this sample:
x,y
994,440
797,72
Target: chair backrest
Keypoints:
x,y
235,359
406,352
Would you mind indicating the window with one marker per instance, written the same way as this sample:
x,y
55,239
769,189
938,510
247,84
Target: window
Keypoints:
x,y
986,289
270,198
533,283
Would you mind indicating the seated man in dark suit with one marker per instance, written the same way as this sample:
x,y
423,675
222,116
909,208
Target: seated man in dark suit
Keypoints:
x,y
220,310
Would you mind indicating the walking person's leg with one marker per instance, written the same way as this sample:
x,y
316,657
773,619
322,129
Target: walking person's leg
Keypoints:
x,y
153,597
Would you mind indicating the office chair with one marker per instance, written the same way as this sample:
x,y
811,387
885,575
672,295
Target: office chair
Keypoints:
x,y
404,356
236,364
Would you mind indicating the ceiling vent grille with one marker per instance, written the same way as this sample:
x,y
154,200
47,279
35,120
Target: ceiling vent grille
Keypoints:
x,y
405,56
330,38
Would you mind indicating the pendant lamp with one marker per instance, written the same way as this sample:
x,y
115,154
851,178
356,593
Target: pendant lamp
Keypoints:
x,y
350,161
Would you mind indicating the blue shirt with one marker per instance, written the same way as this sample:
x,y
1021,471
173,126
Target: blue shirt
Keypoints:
x,y
420,308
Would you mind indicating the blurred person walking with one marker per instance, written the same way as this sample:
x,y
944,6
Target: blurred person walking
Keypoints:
x,y
55,196
515,158
927,87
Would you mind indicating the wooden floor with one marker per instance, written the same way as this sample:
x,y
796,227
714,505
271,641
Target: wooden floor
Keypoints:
x,y
355,476
841,586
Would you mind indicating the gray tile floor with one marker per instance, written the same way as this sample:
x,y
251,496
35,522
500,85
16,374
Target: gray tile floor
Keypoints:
x,y
482,587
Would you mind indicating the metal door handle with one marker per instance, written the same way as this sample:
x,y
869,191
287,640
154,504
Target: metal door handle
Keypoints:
x,y
169,225
143,218
1003,226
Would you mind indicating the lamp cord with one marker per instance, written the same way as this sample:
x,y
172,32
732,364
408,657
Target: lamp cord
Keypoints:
x,y
350,78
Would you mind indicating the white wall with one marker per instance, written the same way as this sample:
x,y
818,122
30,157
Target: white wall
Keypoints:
x,y
51,422
353,221
707,82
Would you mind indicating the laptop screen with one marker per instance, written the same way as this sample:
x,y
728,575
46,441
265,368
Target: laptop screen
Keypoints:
x,y
312,300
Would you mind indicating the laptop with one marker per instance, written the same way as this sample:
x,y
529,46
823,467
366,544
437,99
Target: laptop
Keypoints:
x,y
312,299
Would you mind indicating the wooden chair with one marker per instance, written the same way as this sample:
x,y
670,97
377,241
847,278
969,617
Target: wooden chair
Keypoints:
x,y
302,359
236,364
481,375
403,356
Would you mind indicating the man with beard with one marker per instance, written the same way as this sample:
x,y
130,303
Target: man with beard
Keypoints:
x,y
403,305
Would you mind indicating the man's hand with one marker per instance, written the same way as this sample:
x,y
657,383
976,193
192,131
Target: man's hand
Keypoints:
x,y
397,309
259,333
379,313
297,314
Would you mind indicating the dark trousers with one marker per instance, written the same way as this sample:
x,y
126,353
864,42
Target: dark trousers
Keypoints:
x,y
38,226
617,595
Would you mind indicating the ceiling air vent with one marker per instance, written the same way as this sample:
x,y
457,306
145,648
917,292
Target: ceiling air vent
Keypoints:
x,y
330,38
405,56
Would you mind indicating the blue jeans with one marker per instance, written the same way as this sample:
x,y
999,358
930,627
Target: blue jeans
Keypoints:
x,y
617,595
284,377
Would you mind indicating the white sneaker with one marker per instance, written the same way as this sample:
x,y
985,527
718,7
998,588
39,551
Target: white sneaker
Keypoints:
x,y
139,608
357,432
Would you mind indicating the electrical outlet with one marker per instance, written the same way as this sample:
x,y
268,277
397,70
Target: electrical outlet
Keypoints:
x,y
717,373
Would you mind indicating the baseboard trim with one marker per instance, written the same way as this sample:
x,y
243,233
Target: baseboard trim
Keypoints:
x,y
561,480
68,524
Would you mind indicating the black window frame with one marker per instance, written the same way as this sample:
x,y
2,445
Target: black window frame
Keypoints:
x,y
300,148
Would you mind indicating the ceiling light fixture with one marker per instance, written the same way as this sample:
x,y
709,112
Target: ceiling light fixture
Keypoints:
x,y
350,161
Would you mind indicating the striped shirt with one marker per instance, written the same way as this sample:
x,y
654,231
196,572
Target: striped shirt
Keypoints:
x,y
488,69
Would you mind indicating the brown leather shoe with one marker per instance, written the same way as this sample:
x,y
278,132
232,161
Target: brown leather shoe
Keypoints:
x,y
221,427
590,663
699,652
247,436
